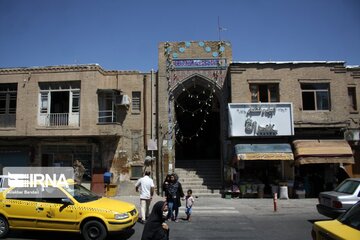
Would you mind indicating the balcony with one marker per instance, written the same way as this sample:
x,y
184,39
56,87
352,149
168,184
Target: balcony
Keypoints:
x,y
58,120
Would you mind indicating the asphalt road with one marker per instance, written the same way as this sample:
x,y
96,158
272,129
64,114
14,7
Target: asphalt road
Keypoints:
x,y
224,219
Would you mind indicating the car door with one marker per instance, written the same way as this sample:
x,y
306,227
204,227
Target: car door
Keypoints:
x,y
59,212
20,208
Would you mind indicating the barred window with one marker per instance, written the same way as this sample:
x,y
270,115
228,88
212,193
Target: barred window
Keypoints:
x,y
136,102
8,96
8,100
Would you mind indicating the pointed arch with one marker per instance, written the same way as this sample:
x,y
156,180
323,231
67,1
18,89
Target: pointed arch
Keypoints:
x,y
197,79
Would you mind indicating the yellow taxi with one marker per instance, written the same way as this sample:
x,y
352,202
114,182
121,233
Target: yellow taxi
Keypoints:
x,y
71,208
345,227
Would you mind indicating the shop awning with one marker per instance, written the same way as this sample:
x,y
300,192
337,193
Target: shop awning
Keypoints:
x,y
280,151
323,151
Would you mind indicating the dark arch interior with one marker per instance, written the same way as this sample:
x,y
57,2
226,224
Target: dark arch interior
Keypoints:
x,y
198,124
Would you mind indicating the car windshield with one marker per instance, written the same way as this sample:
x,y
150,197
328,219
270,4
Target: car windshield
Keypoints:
x,y
352,217
81,194
347,186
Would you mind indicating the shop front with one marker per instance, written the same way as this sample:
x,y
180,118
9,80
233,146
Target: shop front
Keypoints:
x,y
263,159
264,167
321,164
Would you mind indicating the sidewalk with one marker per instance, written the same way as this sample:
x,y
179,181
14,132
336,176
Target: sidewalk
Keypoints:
x,y
243,206
218,205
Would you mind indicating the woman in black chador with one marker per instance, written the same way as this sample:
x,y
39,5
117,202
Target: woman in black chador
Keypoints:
x,y
175,192
155,227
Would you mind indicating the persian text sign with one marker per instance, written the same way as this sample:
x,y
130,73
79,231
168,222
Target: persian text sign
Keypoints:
x,y
199,63
260,119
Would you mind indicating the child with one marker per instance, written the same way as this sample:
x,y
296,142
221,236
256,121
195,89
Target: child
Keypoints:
x,y
189,201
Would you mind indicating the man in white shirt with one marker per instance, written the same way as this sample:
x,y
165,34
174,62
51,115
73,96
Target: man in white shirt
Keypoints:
x,y
146,187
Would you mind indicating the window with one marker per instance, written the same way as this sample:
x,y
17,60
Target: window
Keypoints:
x,y
107,113
352,98
136,102
8,98
44,102
315,96
264,92
76,101
59,104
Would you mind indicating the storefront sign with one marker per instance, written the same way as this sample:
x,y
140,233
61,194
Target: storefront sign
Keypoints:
x,y
260,119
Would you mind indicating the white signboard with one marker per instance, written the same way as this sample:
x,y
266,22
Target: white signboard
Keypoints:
x,y
152,145
260,119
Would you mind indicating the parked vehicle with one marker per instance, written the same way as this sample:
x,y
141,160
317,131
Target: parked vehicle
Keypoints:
x,y
70,208
333,203
346,227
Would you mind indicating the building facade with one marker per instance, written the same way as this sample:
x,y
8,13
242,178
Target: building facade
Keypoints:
x,y
256,122
52,116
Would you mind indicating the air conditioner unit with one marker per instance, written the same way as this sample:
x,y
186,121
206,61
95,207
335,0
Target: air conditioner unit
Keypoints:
x,y
352,135
123,100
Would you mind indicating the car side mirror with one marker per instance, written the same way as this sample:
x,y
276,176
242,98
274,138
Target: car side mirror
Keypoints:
x,y
66,201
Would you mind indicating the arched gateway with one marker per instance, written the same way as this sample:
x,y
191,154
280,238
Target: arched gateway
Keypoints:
x,y
197,121
192,97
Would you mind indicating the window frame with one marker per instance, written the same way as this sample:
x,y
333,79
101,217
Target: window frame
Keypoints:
x,y
8,104
255,92
136,102
352,99
106,103
316,90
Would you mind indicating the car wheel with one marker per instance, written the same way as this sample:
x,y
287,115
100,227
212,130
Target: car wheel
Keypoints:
x,y
4,227
93,230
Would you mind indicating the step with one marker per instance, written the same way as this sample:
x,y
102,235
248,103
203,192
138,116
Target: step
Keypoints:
x,y
202,176
205,191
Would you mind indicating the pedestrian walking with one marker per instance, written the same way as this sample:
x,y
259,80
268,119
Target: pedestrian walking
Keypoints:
x,y
189,202
175,193
146,187
165,186
155,228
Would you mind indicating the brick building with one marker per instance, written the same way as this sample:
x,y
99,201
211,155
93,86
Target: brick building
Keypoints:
x,y
260,122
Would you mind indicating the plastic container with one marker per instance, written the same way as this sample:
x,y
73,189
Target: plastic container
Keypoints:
x,y
111,190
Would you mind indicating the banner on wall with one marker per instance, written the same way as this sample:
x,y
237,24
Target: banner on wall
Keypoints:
x,y
260,119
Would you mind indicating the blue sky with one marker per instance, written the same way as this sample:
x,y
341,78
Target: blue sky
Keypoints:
x,y
124,34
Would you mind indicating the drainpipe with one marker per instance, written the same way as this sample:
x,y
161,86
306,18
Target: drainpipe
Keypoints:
x,y
145,109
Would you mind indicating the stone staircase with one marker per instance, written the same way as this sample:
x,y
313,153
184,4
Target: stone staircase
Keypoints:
x,y
203,177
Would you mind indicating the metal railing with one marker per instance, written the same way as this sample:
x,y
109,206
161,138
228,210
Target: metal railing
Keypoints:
x,y
58,119
107,116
